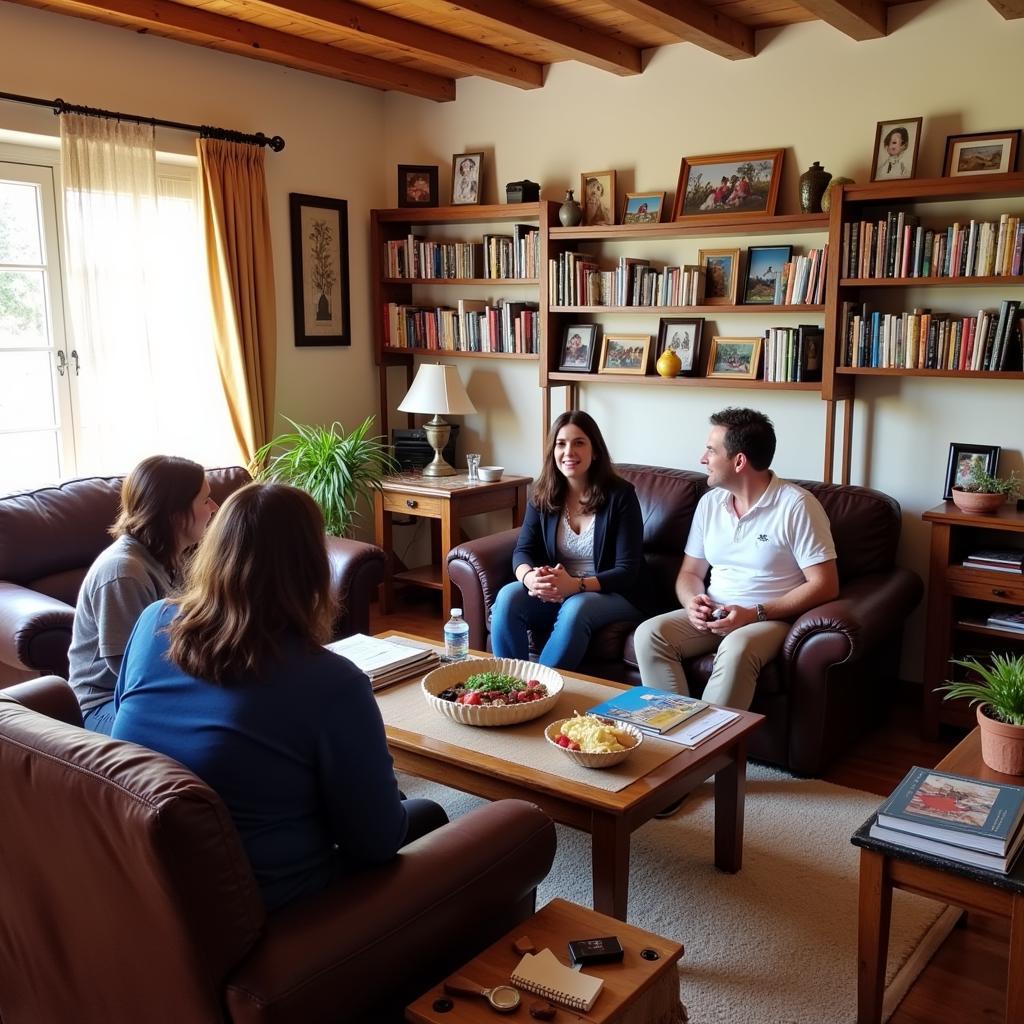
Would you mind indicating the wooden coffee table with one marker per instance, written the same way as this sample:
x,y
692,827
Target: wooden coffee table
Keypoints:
x,y
610,818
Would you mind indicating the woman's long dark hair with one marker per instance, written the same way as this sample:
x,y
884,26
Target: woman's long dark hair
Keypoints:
x,y
259,576
550,487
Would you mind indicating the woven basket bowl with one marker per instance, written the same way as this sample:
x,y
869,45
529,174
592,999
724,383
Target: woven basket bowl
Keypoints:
x,y
478,714
595,760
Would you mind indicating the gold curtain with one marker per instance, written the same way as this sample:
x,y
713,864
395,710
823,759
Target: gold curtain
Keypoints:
x,y
240,258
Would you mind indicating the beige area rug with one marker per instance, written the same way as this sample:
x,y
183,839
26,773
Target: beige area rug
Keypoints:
x,y
775,943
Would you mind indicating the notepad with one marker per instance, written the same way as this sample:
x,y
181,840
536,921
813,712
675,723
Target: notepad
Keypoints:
x,y
542,974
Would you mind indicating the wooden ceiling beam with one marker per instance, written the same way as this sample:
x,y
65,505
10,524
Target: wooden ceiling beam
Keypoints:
x,y
859,19
692,22
198,26
1009,9
460,54
575,41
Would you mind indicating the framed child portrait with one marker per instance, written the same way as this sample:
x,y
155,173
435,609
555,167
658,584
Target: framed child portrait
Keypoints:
x,y
597,193
625,353
963,458
721,275
417,185
765,264
682,336
643,207
467,171
734,357
579,348
895,153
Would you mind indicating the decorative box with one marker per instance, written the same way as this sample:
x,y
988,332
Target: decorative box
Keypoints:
x,y
522,191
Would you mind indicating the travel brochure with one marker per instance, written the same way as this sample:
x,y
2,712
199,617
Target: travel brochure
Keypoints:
x,y
671,716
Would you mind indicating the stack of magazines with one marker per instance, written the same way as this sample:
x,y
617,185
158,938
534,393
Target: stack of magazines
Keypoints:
x,y
997,560
1007,618
386,661
955,817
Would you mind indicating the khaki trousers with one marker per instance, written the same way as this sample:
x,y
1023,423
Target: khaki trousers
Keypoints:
x,y
664,641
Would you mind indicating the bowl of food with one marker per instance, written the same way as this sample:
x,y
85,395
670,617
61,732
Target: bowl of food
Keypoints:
x,y
492,691
489,474
592,741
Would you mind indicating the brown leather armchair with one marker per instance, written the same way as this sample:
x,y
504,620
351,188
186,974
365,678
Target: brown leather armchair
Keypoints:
x,y
826,684
126,895
50,537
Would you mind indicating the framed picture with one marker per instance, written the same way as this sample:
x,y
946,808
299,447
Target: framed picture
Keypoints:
x,y
597,193
467,178
417,185
734,357
963,458
728,184
643,207
721,275
895,152
764,268
682,336
320,270
981,153
579,348
625,353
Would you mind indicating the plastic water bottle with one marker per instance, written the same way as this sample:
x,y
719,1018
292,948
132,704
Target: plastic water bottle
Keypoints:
x,y
456,637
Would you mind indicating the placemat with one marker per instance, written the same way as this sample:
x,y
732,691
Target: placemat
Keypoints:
x,y
404,707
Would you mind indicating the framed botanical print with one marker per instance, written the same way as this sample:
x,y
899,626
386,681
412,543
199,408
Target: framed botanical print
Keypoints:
x,y
319,229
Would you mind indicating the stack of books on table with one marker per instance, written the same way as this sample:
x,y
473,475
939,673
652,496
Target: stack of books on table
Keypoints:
x,y
997,559
386,661
955,817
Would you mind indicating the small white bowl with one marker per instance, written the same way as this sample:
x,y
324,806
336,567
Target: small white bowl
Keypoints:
x,y
490,473
597,759
485,714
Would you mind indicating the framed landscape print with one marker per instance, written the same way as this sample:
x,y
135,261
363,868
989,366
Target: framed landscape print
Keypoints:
x,y
981,153
417,185
319,229
597,194
963,458
721,275
467,178
643,207
895,152
734,357
682,336
625,353
728,184
764,269
579,348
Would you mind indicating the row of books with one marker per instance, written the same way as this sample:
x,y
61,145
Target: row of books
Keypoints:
x,y
475,326
793,353
989,341
955,817
997,559
802,280
898,246
576,279
504,257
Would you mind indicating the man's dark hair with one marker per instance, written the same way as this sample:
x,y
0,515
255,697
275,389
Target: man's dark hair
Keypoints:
x,y
747,431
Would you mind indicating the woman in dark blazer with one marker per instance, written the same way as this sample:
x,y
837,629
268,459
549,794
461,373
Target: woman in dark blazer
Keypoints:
x,y
579,555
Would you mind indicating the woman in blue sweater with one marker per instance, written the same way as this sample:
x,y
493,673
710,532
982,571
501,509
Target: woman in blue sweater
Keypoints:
x,y
579,555
231,680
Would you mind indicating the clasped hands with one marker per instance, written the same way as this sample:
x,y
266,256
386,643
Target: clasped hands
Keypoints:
x,y
550,583
700,608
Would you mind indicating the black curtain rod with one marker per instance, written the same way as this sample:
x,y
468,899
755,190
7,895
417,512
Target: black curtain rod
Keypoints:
x,y
58,106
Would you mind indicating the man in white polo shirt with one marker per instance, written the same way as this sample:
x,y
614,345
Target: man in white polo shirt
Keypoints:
x,y
769,548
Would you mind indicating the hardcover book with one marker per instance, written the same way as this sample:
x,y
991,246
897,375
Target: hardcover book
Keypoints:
x,y
989,861
650,709
1009,619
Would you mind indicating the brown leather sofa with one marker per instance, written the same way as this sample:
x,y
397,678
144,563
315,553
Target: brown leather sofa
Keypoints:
x,y
50,537
826,684
126,896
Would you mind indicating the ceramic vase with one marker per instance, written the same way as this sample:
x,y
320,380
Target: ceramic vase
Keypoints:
x,y
974,501
813,183
668,364
570,213
1002,744
826,199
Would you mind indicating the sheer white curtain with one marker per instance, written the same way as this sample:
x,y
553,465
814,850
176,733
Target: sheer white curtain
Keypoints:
x,y
141,321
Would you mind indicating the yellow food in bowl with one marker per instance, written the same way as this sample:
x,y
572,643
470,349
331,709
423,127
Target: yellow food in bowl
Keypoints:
x,y
595,735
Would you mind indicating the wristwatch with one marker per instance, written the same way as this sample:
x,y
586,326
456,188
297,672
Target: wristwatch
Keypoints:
x,y
762,615
583,584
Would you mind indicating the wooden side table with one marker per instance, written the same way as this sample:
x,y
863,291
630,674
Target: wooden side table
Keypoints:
x,y
636,991
446,501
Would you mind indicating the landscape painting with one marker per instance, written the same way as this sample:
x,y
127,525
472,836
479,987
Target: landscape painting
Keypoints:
x,y
732,183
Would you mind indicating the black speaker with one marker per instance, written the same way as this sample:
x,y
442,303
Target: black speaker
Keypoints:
x,y
413,452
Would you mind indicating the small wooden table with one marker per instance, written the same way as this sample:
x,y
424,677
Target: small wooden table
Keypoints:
x,y
446,501
635,991
884,867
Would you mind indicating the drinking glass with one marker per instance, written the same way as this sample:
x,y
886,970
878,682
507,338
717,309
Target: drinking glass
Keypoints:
x,y
472,465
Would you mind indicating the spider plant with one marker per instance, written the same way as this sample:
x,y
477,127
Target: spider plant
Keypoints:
x,y
999,685
338,470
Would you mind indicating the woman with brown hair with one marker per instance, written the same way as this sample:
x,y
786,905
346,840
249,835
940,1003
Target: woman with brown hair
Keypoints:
x,y
230,679
165,506
579,554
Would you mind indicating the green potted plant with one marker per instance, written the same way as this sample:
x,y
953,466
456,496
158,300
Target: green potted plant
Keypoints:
x,y
338,469
998,690
983,492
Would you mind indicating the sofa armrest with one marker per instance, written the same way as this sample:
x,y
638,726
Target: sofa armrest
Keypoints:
x,y
480,568
376,939
50,696
35,630
357,570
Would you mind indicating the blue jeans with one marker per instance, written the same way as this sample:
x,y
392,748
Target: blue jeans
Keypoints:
x,y
568,626
100,718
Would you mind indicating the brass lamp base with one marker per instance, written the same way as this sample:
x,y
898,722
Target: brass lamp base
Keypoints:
x,y
438,431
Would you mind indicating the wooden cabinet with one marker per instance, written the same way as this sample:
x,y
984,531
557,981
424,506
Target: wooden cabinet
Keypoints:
x,y
960,599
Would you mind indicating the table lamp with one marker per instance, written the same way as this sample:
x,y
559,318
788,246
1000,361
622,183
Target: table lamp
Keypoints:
x,y
437,389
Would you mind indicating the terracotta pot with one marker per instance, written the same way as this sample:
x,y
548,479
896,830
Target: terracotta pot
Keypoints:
x,y
971,501
1002,745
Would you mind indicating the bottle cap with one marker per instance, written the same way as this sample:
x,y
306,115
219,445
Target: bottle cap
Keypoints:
x,y
456,611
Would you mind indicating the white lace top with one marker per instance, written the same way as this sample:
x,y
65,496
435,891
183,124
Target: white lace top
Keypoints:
x,y
576,550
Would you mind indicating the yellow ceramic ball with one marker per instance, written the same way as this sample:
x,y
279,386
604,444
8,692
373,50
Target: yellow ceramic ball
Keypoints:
x,y
826,199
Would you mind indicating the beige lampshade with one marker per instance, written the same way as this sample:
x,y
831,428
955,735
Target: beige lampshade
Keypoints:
x,y
437,389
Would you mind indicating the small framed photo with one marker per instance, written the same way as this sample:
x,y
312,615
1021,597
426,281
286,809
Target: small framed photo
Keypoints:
x,y
682,335
643,207
728,184
417,185
895,153
597,192
981,153
963,458
721,275
764,268
579,348
467,177
734,357
320,296
625,353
